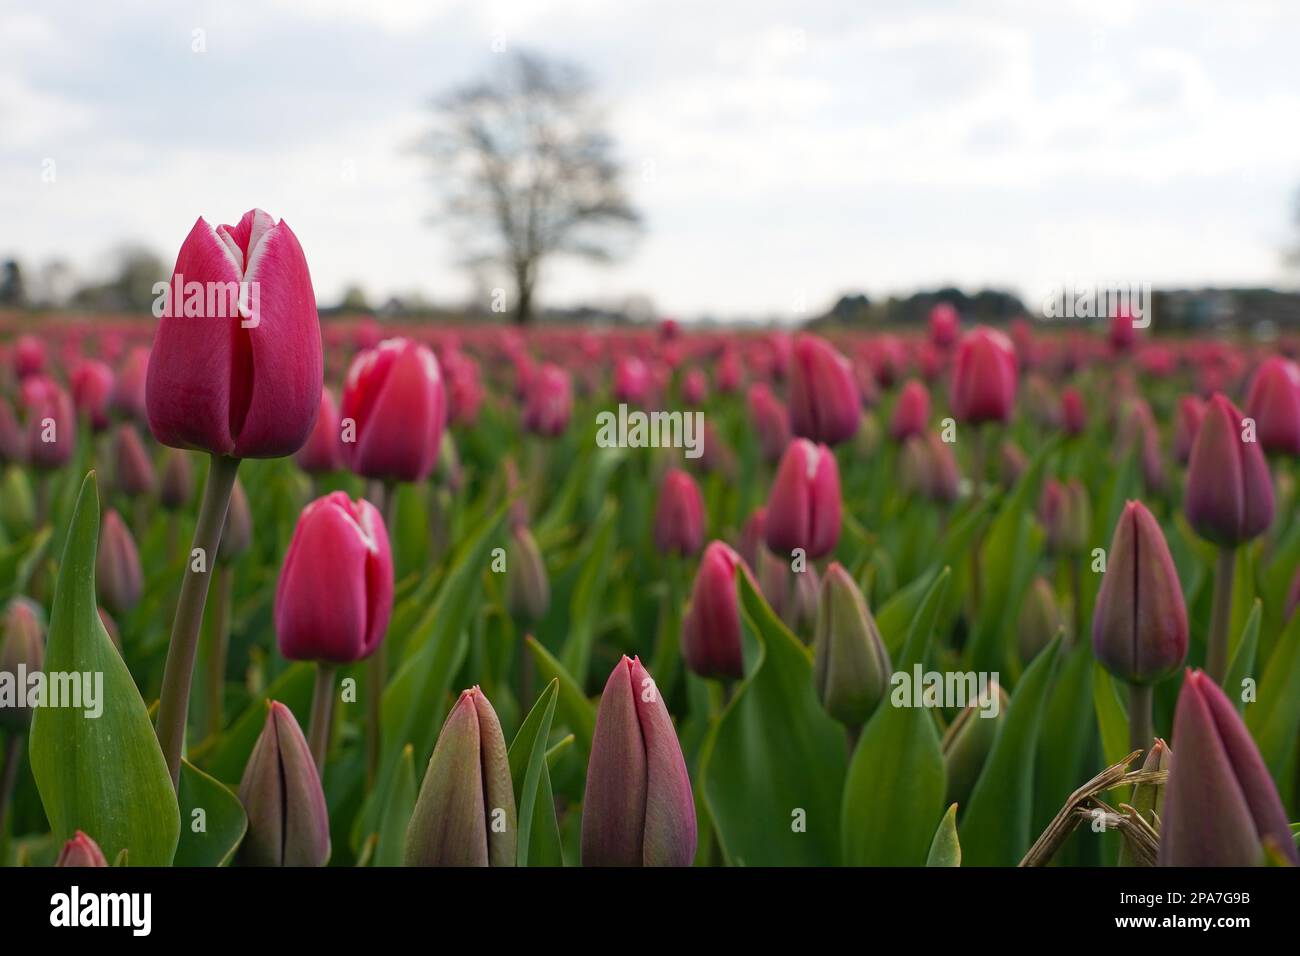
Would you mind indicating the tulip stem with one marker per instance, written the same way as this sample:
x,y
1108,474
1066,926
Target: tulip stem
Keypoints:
x,y
13,753
322,708
1140,732
178,673
218,649
1216,663
383,496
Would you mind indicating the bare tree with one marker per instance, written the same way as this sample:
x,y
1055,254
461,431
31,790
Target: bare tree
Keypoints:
x,y
527,171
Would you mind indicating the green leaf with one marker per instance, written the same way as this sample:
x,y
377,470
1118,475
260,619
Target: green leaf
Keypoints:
x,y
945,850
390,849
1243,660
576,710
894,792
104,775
1112,717
528,762
773,767
222,822
998,821
1067,736
1274,719
588,596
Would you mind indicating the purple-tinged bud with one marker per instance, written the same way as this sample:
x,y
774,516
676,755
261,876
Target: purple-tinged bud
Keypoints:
x,y
465,814
911,413
637,809
770,419
81,851
1064,512
824,402
752,543
929,469
22,647
1274,403
1040,619
118,577
803,509
1191,411
711,628
850,664
132,467
1229,497
1221,806
237,535
679,516
1139,625
177,486
110,627
968,740
528,589
1074,414
288,824
323,451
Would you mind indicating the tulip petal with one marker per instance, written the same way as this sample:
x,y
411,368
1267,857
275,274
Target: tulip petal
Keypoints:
x,y
614,803
448,825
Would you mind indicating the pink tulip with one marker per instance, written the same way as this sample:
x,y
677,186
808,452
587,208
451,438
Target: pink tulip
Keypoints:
x,y
679,516
92,384
133,470
1274,403
1074,414
1188,420
81,851
638,809
395,401
323,451
803,508
51,423
1229,497
711,628
118,577
911,413
631,380
128,397
335,593
770,420
824,402
984,377
242,385
549,402
945,325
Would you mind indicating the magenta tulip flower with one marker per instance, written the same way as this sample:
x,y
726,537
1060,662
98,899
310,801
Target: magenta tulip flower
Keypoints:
x,y
335,593
81,851
638,809
395,402
803,508
1274,403
323,451
825,405
548,404
1229,498
911,413
1221,807
770,419
679,515
711,628
240,381
984,377
92,384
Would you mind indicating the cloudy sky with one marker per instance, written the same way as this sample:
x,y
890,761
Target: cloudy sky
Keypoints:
x,y
782,152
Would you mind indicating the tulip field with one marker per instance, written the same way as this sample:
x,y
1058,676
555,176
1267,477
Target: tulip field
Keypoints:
x,y
289,590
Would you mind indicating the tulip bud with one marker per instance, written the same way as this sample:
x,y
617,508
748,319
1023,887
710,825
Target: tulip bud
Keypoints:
x,y
945,325
1274,403
967,742
984,377
770,420
29,356
803,509
118,577
549,402
395,397
528,588
335,592
912,413
1122,335
638,809
81,851
323,451
245,381
1074,414
51,424
1139,625
1065,513
237,533
288,824
177,480
1229,497
1221,806
1011,463
824,402
465,814
1191,410
850,664
711,628
752,543
22,644
110,628
679,516
1040,619
128,395
132,466
695,387
92,383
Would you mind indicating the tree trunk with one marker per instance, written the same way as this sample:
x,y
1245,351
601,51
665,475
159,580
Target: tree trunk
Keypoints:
x,y
523,298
